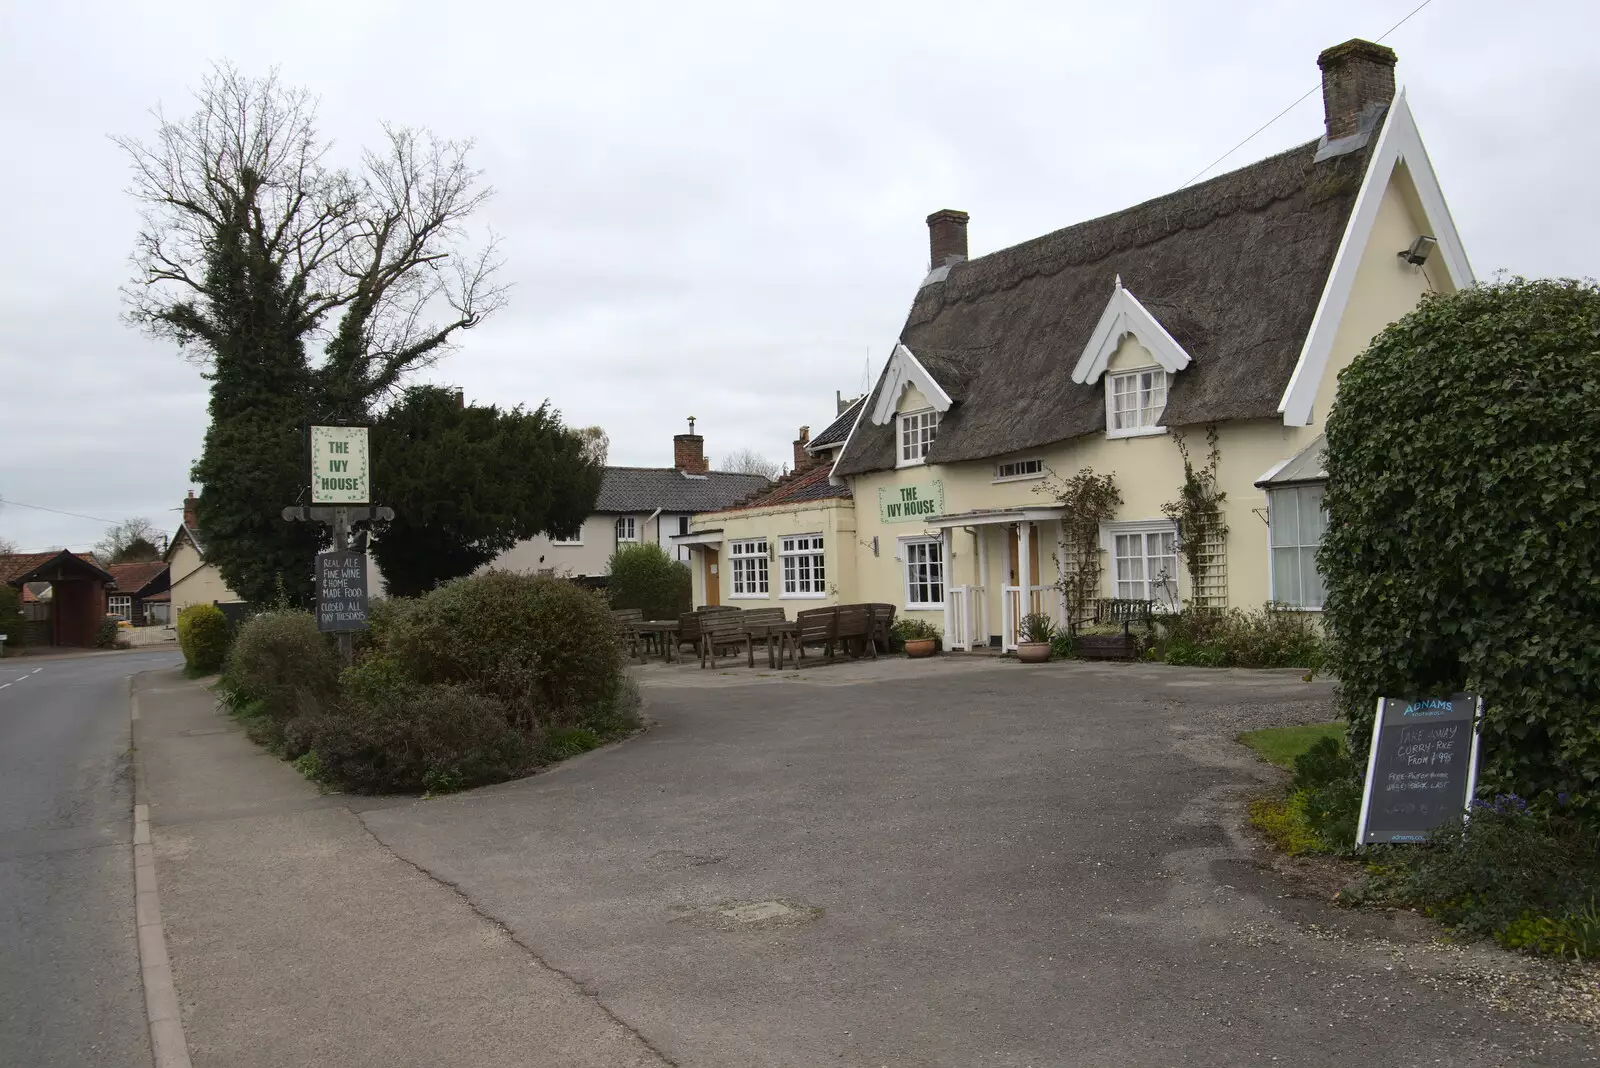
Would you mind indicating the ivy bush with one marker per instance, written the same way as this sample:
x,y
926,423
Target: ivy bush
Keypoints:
x,y
1463,542
203,637
646,578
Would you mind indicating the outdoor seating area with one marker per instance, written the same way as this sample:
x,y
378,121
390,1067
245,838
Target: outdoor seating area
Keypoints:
x,y
717,632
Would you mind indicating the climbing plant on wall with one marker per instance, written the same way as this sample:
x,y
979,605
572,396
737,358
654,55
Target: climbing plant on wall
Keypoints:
x,y
1198,513
1088,500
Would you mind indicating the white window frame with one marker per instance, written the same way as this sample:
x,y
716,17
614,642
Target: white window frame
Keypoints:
x,y
792,552
1142,528
1140,412
576,539
633,529
926,429
1024,476
123,600
751,552
1275,499
926,552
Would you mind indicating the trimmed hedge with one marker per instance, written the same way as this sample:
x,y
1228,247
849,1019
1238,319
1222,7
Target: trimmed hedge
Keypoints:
x,y
542,646
203,637
1463,541
646,578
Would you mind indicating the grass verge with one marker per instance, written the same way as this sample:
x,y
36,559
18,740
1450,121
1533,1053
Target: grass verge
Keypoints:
x,y
1280,745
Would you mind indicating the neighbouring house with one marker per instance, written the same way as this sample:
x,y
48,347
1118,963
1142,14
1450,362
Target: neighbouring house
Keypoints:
x,y
75,602
1230,305
192,580
138,589
635,505
794,540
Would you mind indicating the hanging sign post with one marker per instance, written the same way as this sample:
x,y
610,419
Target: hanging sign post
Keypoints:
x,y
1423,767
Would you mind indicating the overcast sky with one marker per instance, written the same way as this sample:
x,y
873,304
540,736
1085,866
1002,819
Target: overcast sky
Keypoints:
x,y
712,209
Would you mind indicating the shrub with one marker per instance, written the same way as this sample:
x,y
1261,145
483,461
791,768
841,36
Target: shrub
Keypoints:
x,y
1036,627
645,577
434,737
1463,541
107,634
911,629
1265,638
280,660
1061,645
1328,781
1524,876
203,638
542,647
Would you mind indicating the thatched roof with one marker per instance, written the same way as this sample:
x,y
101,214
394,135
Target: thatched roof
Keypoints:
x,y
1233,268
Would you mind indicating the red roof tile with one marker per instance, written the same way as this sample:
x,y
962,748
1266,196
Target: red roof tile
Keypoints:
x,y
131,578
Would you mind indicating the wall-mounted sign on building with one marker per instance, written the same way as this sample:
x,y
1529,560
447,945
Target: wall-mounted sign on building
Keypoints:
x,y
907,504
339,469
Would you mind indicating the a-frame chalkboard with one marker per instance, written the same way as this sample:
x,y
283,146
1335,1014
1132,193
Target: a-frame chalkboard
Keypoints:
x,y
1423,767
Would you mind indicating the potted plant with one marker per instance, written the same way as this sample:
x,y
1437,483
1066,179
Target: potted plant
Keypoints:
x,y
1036,632
918,635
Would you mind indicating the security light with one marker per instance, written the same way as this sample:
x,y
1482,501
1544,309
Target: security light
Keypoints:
x,y
1419,251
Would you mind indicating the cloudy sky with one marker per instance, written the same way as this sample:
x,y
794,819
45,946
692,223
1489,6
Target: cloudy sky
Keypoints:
x,y
711,209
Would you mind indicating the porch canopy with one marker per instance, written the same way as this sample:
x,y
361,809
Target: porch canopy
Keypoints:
x,y
985,516
699,537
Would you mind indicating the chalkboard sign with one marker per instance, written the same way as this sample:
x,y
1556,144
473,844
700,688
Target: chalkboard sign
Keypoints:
x,y
1422,769
342,591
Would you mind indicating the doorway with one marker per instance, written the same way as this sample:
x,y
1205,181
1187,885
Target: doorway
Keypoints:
x,y
713,583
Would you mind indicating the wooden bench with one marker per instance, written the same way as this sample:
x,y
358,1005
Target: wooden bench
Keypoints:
x,y
817,627
882,624
622,621
855,625
724,629
692,624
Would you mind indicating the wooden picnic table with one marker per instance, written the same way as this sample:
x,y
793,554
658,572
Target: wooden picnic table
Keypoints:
x,y
786,633
666,632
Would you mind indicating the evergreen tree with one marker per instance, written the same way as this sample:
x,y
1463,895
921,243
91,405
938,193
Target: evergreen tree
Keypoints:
x,y
467,483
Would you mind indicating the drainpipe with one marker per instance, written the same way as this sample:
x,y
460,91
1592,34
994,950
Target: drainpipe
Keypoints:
x,y
647,522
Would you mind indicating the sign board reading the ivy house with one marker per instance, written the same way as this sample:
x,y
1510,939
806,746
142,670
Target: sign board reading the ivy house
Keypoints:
x,y
1423,767
339,469
906,504
341,590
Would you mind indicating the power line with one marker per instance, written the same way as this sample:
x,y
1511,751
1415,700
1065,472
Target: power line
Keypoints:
x,y
41,508
1291,107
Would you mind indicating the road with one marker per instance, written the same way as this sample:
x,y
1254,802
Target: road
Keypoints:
x,y
69,964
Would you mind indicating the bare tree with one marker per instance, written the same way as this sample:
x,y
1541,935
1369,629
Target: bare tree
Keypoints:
x,y
750,462
7,547
596,444
130,540
377,261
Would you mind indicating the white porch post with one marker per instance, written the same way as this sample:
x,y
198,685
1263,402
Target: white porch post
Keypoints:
x,y
1024,571
947,573
1061,571
981,534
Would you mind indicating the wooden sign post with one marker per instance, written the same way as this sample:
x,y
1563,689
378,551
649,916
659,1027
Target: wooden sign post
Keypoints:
x,y
1423,767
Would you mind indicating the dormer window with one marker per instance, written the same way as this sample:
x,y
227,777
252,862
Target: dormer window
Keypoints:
x,y
917,431
1135,401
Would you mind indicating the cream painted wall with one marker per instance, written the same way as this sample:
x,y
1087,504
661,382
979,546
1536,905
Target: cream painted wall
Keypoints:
x,y
834,519
1148,470
593,557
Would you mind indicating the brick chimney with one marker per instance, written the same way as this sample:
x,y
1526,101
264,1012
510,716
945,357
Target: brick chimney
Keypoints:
x,y
1357,76
689,452
947,238
802,459
190,503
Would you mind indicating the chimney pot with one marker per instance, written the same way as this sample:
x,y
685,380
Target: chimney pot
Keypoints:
x,y
947,237
1357,76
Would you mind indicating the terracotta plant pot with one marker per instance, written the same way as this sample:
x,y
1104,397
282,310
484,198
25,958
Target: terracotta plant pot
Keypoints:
x,y
916,648
1033,652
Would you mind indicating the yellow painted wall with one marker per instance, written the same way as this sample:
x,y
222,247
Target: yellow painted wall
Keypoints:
x,y
201,582
1148,470
834,519
541,554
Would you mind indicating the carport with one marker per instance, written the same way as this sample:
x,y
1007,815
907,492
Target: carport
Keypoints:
x,y
78,591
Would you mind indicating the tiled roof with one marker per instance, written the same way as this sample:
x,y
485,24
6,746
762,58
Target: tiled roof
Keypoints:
x,y
14,565
837,432
811,484
133,577
157,598
644,489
